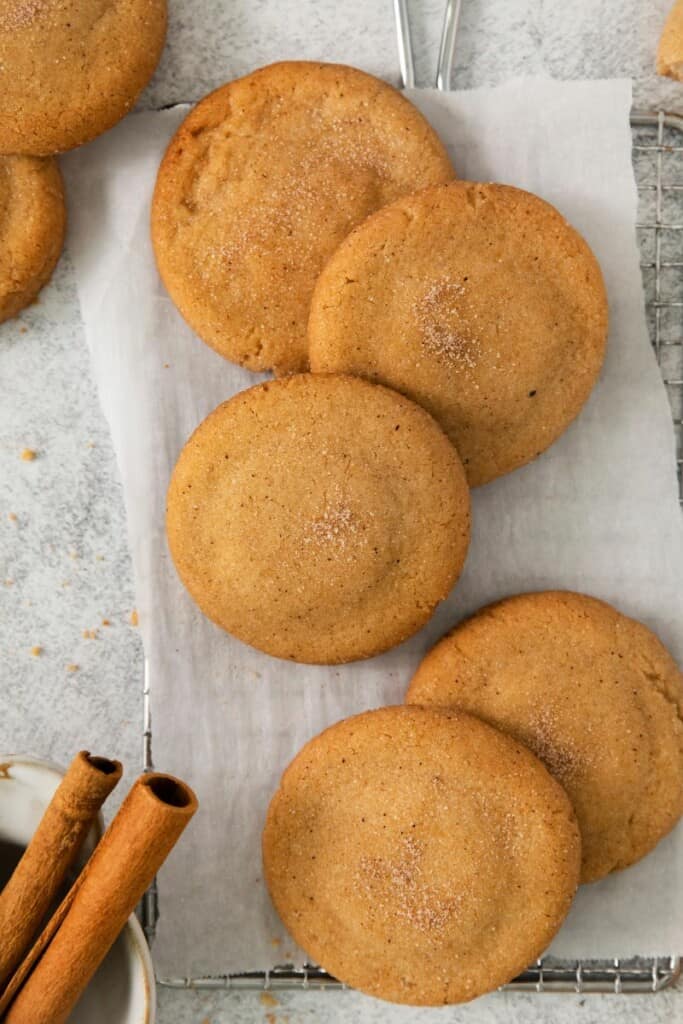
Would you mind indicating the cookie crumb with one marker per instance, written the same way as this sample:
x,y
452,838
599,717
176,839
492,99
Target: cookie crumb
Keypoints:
x,y
106,622
266,999
23,330
29,454
36,651
8,582
72,667
89,634
4,770
134,618
12,516
90,444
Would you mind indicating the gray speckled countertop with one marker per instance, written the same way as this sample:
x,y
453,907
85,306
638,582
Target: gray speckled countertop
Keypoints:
x,y
64,563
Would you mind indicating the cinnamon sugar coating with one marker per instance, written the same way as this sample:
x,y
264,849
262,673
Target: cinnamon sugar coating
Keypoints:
x,y
420,855
318,518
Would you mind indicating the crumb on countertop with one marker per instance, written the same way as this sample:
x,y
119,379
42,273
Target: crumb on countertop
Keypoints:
x,y
12,516
266,999
72,667
36,651
134,618
90,634
106,622
29,454
8,582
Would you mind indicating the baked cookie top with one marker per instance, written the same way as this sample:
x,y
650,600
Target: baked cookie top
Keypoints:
x,y
32,225
670,49
594,694
481,303
260,184
318,518
70,69
419,855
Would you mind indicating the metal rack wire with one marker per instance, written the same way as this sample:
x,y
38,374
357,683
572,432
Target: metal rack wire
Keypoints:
x,y
657,150
658,165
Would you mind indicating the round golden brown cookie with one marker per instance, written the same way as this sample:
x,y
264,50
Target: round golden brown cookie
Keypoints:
x,y
419,855
594,694
32,225
70,69
479,302
670,49
318,518
260,184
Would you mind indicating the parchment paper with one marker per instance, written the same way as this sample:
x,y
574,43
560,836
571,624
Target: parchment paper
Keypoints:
x,y
597,513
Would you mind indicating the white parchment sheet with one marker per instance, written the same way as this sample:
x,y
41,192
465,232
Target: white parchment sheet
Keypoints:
x,y
597,513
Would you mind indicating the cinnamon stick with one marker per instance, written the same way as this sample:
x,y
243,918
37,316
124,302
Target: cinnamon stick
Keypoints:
x,y
149,823
35,882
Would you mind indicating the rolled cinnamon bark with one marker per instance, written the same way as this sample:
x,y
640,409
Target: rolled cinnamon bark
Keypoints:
x,y
35,882
149,823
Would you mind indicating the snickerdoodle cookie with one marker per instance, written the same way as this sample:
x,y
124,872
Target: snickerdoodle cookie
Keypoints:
x,y
260,184
419,855
479,302
32,224
594,694
70,69
670,49
319,518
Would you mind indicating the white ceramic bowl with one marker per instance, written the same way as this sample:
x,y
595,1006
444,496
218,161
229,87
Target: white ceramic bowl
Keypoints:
x,y
123,990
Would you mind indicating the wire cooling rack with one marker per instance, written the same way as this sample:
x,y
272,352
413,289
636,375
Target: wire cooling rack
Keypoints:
x,y
658,166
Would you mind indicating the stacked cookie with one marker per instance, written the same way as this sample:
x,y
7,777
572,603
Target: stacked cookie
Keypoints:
x,y
306,218
427,853
68,72
428,335
420,855
594,694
